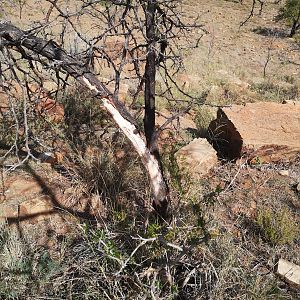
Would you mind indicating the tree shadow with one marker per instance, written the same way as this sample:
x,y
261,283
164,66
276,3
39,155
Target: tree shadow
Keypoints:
x,y
109,188
57,206
271,32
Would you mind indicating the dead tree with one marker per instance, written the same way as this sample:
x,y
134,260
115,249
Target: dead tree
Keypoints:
x,y
33,47
253,6
136,40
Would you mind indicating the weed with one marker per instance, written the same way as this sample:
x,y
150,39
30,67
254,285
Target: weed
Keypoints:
x,y
153,230
277,228
297,39
274,92
290,79
175,173
23,266
203,117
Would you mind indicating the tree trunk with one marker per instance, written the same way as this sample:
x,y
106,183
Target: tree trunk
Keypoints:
x,y
150,78
32,47
150,75
295,25
293,30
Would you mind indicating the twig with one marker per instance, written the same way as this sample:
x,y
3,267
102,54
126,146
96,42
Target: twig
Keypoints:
x,y
142,243
233,180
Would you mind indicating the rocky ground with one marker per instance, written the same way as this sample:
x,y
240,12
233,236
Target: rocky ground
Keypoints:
x,y
249,208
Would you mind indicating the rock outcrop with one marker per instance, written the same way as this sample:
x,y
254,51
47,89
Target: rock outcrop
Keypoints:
x,y
197,158
265,131
36,199
289,272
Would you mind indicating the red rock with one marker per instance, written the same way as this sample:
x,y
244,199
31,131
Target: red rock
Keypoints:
x,y
197,158
45,106
36,209
4,103
50,108
8,211
263,131
23,188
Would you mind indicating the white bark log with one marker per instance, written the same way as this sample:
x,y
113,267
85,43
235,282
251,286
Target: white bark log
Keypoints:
x,y
150,162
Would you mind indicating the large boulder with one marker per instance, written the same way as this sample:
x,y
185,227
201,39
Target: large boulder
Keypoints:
x,y
264,131
197,158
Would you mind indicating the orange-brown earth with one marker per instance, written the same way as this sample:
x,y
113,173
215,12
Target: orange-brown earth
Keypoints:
x,y
229,62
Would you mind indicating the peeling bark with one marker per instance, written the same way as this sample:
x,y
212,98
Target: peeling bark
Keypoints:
x,y
28,44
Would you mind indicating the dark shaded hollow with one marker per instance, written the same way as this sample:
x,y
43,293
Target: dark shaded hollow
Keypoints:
x,y
225,138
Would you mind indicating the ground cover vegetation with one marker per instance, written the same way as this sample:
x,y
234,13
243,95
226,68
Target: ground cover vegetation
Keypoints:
x,y
218,237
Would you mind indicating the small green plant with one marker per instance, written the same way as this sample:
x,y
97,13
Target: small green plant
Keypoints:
x,y
23,266
153,230
297,39
119,216
170,164
105,244
278,227
203,118
290,79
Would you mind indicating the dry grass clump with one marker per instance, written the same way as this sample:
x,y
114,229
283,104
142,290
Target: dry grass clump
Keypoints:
x,y
204,116
146,262
25,268
208,250
271,91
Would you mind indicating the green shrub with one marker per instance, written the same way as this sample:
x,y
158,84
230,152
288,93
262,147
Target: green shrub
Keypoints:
x,y
277,227
23,266
290,13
